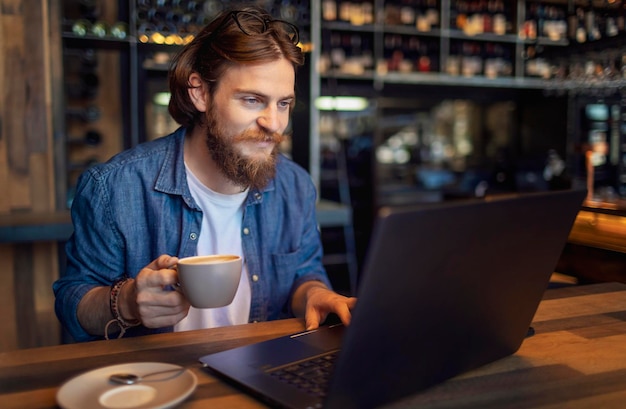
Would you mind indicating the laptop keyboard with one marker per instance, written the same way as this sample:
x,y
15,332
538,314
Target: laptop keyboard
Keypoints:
x,y
311,376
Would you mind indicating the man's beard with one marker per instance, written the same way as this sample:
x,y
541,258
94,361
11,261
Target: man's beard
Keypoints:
x,y
239,169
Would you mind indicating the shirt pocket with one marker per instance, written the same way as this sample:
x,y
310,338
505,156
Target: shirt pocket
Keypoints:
x,y
286,266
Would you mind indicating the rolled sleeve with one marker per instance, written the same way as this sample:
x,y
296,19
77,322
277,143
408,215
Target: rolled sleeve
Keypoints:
x,y
92,254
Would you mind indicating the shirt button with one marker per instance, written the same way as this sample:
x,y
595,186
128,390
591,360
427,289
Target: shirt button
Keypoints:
x,y
246,231
193,236
257,196
255,278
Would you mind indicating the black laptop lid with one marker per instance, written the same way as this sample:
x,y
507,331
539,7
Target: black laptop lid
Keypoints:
x,y
446,289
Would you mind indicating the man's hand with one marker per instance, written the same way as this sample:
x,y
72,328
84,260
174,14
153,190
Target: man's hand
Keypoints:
x,y
150,298
315,301
147,298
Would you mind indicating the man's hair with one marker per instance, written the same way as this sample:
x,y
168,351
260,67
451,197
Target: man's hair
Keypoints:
x,y
218,46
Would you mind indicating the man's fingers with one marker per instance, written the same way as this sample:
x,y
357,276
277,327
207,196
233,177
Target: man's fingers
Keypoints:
x,y
166,261
343,312
149,278
163,261
351,302
311,318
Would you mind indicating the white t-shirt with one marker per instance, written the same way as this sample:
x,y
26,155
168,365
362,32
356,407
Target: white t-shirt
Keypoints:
x,y
220,234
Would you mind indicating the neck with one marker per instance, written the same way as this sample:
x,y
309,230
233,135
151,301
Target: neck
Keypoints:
x,y
199,161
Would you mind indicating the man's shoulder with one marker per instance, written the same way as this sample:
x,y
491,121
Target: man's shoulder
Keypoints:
x,y
287,168
291,177
143,157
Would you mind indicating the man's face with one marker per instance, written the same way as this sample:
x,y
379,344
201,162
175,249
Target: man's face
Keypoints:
x,y
246,119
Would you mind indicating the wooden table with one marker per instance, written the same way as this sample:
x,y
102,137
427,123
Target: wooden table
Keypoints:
x,y
576,359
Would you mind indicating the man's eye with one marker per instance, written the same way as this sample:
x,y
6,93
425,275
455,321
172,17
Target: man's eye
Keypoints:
x,y
250,100
284,104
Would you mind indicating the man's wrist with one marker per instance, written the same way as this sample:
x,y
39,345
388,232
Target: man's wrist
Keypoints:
x,y
120,301
128,303
312,286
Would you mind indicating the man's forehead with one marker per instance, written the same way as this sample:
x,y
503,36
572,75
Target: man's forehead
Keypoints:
x,y
271,79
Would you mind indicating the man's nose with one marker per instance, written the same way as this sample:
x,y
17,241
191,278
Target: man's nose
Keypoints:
x,y
270,120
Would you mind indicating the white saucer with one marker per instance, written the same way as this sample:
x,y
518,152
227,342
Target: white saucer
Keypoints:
x,y
93,390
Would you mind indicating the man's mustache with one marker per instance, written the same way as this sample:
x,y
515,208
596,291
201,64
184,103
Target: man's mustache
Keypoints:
x,y
259,136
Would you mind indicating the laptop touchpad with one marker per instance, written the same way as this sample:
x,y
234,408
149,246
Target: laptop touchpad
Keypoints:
x,y
326,338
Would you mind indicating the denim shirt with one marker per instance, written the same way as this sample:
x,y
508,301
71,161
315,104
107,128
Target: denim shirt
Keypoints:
x,y
137,206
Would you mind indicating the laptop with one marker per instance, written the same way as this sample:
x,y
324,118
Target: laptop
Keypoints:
x,y
444,289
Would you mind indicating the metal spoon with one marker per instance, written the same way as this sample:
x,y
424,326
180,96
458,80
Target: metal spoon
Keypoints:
x,y
124,378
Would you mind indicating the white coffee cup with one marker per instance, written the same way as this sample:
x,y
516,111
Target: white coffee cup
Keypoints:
x,y
210,281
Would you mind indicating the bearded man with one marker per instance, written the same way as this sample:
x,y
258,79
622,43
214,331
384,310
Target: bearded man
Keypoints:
x,y
217,185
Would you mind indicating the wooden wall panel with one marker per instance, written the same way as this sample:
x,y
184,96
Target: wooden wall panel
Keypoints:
x,y
24,298
8,325
25,112
27,181
5,203
46,268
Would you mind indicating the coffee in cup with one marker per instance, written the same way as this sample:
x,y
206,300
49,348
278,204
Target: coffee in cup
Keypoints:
x,y
210,281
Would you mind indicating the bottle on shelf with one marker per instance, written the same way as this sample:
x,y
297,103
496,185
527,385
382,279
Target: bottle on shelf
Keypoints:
x,y
392,14
459,13
581,29
119,30
555,24
432,13
91,138
357,13
344,11
592,25
329,10
86,87
453,61
500,21
99,29
497,62
528,29
427,16
393,54
471,59
81,27
408,13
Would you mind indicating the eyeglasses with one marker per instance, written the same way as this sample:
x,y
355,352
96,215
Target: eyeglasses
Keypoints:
x,y
252,24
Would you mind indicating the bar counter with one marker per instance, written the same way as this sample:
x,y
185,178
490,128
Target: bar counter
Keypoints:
x,y
576,359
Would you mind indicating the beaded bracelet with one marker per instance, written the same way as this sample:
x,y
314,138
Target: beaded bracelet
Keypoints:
x,y
116,289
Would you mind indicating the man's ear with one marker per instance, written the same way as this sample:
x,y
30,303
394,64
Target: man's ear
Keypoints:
x,y
198,92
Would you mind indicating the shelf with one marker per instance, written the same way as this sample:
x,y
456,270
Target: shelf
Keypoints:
x,y
33,227
345,26
92,41
417,78
450,80
412,31
495,38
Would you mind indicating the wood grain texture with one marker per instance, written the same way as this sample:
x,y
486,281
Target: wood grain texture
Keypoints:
x,y
8,305
576,359
27,177
25,114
